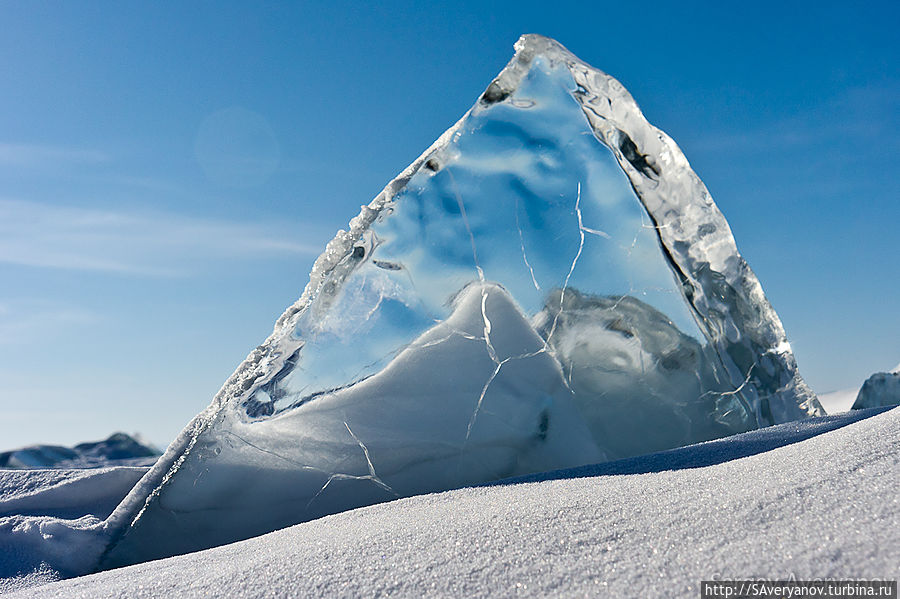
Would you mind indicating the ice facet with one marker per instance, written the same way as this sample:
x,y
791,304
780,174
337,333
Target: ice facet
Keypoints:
x,y
548,285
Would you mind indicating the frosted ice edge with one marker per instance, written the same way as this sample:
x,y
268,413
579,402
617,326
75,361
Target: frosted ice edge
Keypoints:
x,y
719,286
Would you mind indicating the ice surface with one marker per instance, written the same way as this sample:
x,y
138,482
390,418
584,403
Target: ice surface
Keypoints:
x,y
548,285
880,389
654,382
797,504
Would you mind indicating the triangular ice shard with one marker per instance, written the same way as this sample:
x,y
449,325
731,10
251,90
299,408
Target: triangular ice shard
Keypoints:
x,y
548,285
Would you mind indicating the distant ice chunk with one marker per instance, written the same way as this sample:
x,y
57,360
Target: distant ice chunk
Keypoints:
x,y
880,389
119,449
548,285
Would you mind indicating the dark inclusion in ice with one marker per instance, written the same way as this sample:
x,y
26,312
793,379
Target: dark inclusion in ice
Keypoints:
x,y
548,285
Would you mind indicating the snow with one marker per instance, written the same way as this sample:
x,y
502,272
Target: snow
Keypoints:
x,y
56,517
810,500
32,544
66,493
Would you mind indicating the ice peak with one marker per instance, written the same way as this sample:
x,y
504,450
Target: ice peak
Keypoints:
x,y
549,266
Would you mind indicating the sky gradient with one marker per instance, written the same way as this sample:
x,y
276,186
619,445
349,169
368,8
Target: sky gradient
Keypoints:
x,y
168,173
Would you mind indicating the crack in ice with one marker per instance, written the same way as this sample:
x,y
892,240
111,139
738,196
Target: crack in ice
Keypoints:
x,y
465,218
736,393
375,307
277,455
481,399
490,380
371,476
484,293
372,473
487,327
596,232
446,338
522,245
740,388
562,294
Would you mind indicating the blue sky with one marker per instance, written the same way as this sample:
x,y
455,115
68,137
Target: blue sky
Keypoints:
x,y
142,257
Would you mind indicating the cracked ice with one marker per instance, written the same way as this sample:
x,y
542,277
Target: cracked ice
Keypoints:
x,y
463,330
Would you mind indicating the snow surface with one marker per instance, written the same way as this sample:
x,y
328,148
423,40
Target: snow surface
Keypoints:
x,y
66,493
809,499
56,516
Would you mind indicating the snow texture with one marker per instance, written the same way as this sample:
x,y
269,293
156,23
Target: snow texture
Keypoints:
x,y
66,493
56,517
810,500
33,545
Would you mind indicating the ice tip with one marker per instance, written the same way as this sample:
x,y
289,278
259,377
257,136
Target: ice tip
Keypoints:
x,y
526,48
531,44
531,40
